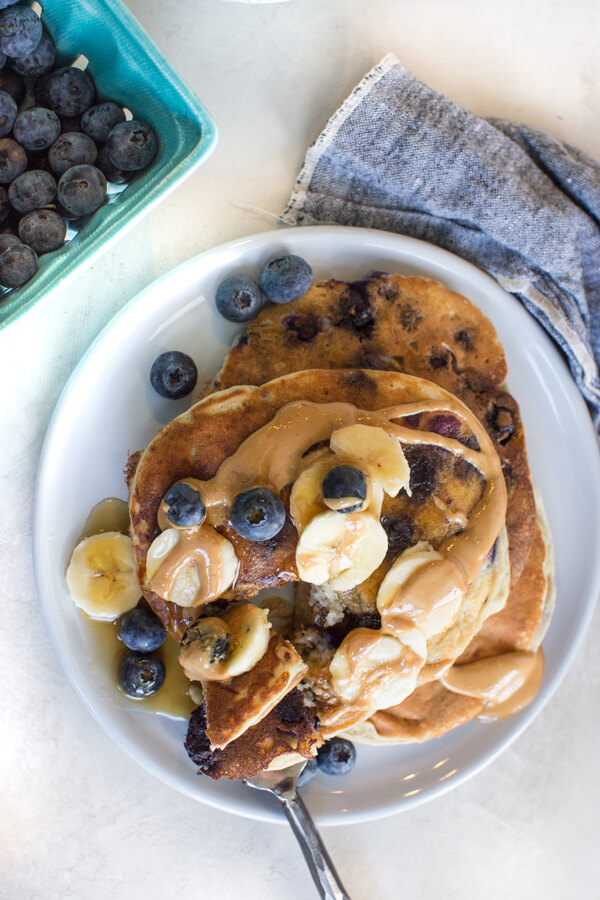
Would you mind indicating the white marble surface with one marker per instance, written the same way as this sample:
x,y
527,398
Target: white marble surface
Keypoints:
x,y
79,818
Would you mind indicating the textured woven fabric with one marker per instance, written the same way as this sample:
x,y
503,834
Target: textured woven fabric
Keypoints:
x,y
511,199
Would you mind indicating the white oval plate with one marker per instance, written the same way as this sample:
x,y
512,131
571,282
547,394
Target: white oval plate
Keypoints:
x,y
107,410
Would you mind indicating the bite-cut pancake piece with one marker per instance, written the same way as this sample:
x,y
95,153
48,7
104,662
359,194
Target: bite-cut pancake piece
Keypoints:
x,y
288,728
197,442
407,324
236,705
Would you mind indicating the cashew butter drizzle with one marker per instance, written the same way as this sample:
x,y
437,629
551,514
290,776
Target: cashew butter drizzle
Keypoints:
x,y
440,581
505,683
358,645
201,546
272,456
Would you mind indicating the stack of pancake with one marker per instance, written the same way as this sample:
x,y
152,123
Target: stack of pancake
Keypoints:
x,y
385,342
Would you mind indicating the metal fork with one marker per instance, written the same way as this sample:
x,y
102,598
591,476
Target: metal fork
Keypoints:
x,y
282,784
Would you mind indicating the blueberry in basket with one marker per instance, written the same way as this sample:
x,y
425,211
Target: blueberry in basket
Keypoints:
x,y
38,62
70,91
64,150
43,230
36,128
98,121
72,148
131,145
81,190
20,31
13,160
32,190
18,264
8,113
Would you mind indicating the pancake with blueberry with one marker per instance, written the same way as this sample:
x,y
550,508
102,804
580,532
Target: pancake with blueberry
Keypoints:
x,y
518,628
399,323
346,480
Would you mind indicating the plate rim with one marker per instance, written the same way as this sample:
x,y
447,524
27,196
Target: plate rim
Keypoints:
x,y
424,252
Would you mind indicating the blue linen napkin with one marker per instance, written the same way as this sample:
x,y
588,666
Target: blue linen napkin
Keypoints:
x,y
511,199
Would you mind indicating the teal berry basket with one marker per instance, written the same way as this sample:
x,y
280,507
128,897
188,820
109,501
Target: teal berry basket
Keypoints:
x,y
127,67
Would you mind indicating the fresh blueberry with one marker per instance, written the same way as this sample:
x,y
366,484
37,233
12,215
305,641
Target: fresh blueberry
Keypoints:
x,y
239,298
185,506
36,128
141,630
18,264
285,278
42,229
71,149
336,757
32,190
5,3
13,84
345,489
70,91
257,514
132,145
20,31
13,160
8,113
82,189
110,172
308,772
173,374
142,674
7,239
98,121
39,61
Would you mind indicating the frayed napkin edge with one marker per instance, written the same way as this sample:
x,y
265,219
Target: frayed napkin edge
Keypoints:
x,y
292,211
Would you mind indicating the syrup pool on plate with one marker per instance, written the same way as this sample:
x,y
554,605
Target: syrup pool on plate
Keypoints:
x,y
173,698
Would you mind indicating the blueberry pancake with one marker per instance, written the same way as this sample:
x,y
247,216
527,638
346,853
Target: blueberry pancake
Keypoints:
x,y
407,324
380,493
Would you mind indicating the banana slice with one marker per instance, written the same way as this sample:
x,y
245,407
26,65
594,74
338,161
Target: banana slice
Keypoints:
x,y
306,498
377,669
216,649
191,567
379,452
102,576
340,549
431,614
251,630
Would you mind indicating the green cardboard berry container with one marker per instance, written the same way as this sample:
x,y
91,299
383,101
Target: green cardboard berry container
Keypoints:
x,y
128,68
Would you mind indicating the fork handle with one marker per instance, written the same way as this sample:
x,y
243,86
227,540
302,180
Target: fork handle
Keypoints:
x,y
321,867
